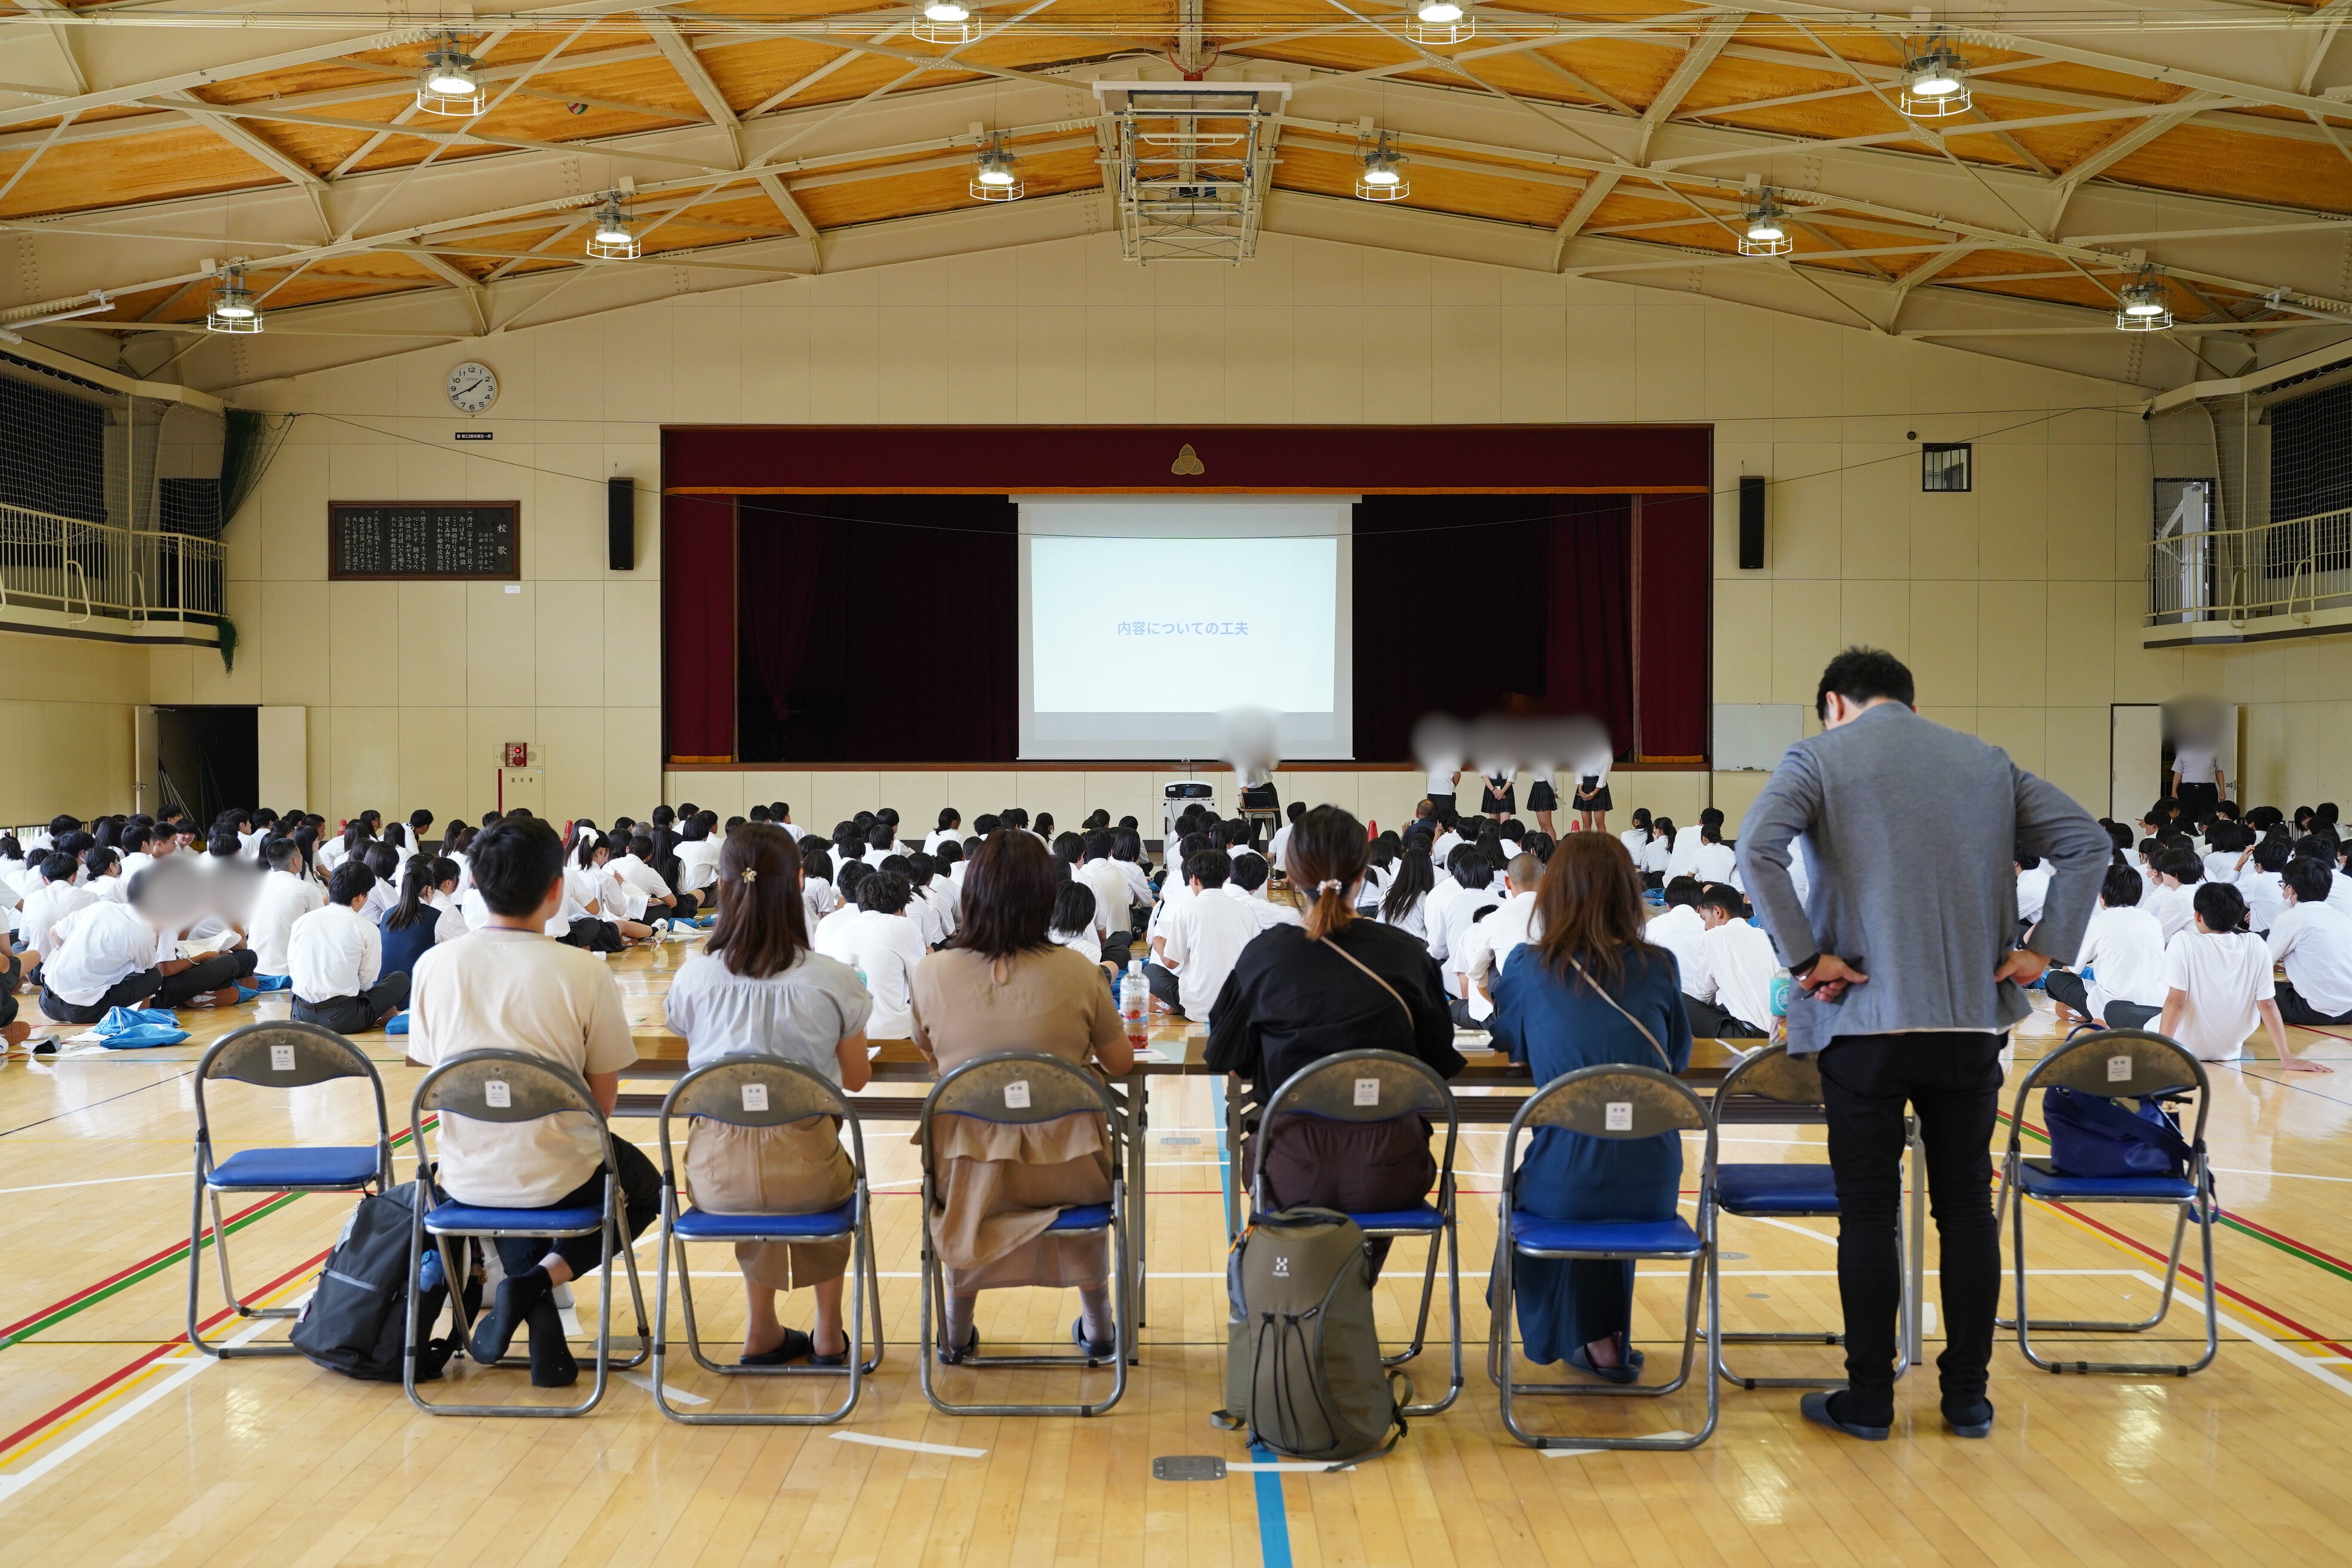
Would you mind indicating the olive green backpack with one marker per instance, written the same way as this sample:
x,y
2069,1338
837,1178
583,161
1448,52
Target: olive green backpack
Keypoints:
x,y
1303,1369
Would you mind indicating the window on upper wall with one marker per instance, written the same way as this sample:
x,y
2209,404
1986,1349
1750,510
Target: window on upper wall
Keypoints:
x,y
1944,466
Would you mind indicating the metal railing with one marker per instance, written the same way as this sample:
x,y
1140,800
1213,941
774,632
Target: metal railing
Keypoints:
x,y
2295,567
94,571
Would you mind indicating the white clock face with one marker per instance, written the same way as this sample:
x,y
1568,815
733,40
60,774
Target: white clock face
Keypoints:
x,y
473,386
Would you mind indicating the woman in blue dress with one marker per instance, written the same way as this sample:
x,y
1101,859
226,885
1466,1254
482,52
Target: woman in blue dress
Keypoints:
x,y
1557,1016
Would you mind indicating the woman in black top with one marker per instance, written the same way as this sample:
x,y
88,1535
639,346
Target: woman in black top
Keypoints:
x,y
1299,994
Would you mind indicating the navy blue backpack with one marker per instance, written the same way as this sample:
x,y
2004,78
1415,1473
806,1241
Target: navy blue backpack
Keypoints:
x,y
2092,1135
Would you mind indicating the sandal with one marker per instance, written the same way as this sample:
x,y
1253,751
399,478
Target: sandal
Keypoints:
x,y
1627,1370
792,1347
817,1359
951,1357
1096,1349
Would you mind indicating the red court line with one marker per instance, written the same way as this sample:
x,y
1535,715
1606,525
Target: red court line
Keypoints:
x,y
2238,1296
145,1262
112,1378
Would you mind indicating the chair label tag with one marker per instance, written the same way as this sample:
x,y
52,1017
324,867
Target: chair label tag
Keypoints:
x,y
281,1059
1367,1091
497,1094
1617,1115
2120,1069
1017,1095
755,1097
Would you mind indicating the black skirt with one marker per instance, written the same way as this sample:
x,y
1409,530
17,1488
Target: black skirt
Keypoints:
x,y
1542,797
1504,801
1591,794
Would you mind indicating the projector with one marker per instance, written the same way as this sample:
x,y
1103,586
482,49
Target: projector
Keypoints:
x,y
1174,797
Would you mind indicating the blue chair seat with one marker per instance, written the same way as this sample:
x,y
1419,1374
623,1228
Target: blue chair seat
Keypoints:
x,y
1087,1216
449,1219
1420,1218
701,1225
1648,1238
1775,1189
2037,1178
253,1170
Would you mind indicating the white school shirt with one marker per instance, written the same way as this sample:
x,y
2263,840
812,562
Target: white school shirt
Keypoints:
x,y
819,898
2174,909
48,907
640,875
2033,891
1488,943
1265,911
1205,937
584,885
927,918
2265,896
1441,780
99,946
284,898
950,915
939,835
1635,840
2314,942
2339,892
1445,843
1276,846
1741,964
1172,898
1681,932
1446,936
1714,863
1081,942
1683,859
450,925
383,899
114,889
697,864
1442,893
1658,854
138,860
465,864
1413,920
2194,765
2123,948
252,843
2226,976
1110,890
887,948
332,952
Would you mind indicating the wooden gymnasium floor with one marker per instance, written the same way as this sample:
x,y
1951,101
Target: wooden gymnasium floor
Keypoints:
x,y
118,1446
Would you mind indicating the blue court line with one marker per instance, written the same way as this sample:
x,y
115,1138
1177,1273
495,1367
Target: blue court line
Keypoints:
x,y
1273,1523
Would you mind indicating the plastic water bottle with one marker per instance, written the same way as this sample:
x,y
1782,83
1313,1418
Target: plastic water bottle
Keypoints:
x,y
860,972
1135,1002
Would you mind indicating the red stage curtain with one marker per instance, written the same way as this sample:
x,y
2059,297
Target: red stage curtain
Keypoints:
x,y
1588,644
1677,574
777,557
698,624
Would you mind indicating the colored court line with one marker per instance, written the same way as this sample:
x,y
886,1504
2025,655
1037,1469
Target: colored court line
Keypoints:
x,y
1273,1522
115,1284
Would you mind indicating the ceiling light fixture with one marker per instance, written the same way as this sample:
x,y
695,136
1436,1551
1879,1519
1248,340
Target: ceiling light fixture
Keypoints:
x,y
1443,21
945,22
1765,229
2142,307
235,310
994,179
611,240
1381,177
447,84
1936,84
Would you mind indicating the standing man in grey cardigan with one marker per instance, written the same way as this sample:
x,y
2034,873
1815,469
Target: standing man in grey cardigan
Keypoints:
x,y
1909,974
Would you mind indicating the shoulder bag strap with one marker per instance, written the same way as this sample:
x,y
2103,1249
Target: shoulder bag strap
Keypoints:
x,y
1665,1060
1383,985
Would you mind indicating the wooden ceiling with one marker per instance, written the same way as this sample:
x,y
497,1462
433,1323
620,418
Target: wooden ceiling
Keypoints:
x,y
1607,94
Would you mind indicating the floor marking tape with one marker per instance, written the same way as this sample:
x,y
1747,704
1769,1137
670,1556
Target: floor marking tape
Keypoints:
x,y
901,1443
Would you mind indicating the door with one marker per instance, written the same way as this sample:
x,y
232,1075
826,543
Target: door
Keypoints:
x,y
2136,774
208,758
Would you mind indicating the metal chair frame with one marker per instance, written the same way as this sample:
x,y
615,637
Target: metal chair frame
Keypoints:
x,y
534,1087
794,1093
1771,1076
1582,1102
2131,1063
1329,1088
254,1054
986,1087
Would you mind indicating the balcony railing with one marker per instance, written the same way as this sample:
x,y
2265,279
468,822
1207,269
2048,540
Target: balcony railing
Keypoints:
x,y
95,572
2296,567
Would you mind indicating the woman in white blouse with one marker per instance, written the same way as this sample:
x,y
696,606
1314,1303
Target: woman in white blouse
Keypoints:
x,y
758,989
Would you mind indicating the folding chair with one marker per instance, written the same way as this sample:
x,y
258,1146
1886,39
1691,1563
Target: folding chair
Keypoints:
x,y
1380,1086
275,1055
762,1091
1770,1089
1027,1088
2135,1063
1614,1102
511,1086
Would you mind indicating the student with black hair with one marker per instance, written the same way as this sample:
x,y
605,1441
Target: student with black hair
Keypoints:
x,y
1246,887
2122,952
1658,854
2178,873
57,896
1733,1000
2313,939
1713,860
1487,944
2218,983
1681,932
1073,924
1202,938
336,958
111,956
1101,875
1405,903
426,914
883,945
2260,879
383,860
1474,871
101,873
505,987
949,831
1296,809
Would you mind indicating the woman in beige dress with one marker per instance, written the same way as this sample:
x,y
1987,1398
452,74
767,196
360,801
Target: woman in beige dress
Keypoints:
x,y
758,989
1004,984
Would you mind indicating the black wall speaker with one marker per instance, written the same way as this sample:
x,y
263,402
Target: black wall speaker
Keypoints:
x,y
1752,522
621,525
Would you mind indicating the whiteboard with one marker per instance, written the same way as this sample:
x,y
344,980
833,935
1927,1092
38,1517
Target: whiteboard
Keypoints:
x,y
1749,737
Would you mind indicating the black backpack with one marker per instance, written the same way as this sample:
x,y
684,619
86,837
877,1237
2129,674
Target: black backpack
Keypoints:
x,y
1303,1370
353,1322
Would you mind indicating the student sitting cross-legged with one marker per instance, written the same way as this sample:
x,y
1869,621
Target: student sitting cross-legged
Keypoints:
x,y
505,985
113,956
335,955
2123,952
2312,937
758,989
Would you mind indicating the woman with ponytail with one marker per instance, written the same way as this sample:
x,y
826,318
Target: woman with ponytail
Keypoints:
x,y
426,913
1334,983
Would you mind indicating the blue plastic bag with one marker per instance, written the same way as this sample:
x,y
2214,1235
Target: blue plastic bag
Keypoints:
x,y
396,1025
272,982
139,1030
247,993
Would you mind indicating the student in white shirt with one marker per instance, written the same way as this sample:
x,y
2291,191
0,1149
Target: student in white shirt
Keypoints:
x,y
335,955
1486,945
2032,889
2122,956
1073,924
2177,873
285,895
949,831
1203,937
1682,932
1405,904
101,874
636,867
1713,860
112,955
49,904
697,858
1246,887
1444,781
1100,874
1173,895
921,908
1636,838
1683,861
1127,854
1740,963
1474,871
883,945
2262,883
1658,855
2218,982
2313,939
1281,841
